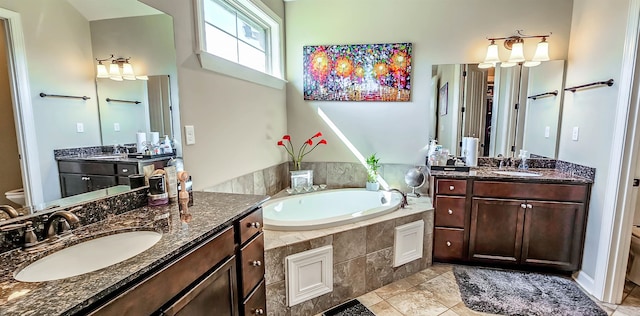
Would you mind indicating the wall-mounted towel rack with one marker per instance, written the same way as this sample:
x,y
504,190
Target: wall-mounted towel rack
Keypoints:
x,y
534,97
599,83
84,97
122,101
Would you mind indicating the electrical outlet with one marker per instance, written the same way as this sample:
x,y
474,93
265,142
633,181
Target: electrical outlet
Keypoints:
x,y
575,134
547,131
190,134
116,127
80,127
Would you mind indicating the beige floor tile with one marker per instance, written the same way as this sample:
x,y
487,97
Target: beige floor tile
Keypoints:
x,y
627,310
384,309
443,289
369,299
633,299
415,302
463,310
393,289
440,268
421,277
449,313
609,308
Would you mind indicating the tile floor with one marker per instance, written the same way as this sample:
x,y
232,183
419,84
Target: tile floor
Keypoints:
x,y
434,291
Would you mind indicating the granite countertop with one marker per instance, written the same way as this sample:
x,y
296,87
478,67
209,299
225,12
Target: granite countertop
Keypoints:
x,y
111,158
210,214
487,173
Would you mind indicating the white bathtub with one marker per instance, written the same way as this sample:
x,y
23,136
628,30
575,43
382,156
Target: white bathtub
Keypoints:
x,y
327,208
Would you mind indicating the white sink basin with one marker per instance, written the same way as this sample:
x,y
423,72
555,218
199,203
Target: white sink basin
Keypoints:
x,y
88,256
106,157
518,173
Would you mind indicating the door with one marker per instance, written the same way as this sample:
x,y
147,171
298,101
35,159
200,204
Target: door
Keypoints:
x,y
553,234
495,234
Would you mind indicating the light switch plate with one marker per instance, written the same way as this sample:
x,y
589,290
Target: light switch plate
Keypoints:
x,y
190,134
116,127
547,131
576,133
80,127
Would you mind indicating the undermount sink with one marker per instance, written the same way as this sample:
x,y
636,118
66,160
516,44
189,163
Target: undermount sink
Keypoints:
x,y
88,256
518,173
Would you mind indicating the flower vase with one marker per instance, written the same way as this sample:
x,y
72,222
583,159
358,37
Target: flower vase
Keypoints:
x,y
373,186
301,179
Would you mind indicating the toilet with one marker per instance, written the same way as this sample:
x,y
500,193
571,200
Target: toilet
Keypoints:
x,y
16,196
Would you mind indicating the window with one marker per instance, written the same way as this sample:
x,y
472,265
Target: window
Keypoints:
x,y
240,38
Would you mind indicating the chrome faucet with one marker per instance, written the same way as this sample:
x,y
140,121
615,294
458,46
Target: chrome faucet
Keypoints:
x,y
10,211
404,202
505,163
59,223
30,238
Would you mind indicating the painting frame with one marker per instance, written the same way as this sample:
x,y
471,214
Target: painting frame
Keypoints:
x,y
443,99
357,72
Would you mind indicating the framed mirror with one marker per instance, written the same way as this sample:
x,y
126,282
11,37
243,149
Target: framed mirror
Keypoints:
x,y
507,109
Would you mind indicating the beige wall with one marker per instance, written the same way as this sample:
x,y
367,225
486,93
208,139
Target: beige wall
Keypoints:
x,y
442,32
595,54
237,123
10,167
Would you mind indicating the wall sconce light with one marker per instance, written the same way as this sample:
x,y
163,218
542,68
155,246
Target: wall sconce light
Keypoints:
x,y
515,43
115,72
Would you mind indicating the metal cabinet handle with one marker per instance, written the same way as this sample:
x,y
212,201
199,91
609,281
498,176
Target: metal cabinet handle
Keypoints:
x,y
450,212
125,170
451,188
256,263
86,178
529,206
523,205
259,311
448,244
254,225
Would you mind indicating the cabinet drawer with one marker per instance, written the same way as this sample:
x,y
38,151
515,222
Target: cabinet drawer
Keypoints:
x,y
86,167
125,169
252,264
451,187
524,190
256,303
448,243
155,291
250,225
450,211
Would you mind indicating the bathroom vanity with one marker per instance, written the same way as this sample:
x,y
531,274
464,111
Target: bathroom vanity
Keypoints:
x,y
85,174
530,222
210,255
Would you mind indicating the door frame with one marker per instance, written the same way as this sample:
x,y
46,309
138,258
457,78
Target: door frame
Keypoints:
x,y
23,108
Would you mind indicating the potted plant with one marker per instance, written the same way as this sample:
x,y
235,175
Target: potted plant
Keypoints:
x,y
372,173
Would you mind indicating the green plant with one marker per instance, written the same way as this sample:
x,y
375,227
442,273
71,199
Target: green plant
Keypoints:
x,y
372,168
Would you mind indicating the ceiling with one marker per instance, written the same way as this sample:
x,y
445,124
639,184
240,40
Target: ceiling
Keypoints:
x,y
94,10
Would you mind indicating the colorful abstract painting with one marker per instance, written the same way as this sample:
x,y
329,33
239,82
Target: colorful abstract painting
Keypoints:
x,y
364,72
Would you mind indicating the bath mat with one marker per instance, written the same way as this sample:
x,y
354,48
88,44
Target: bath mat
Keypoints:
x,y
512,293
349,308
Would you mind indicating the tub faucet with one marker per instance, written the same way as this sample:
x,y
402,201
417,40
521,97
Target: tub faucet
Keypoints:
x,y
404,202
11,212
59,223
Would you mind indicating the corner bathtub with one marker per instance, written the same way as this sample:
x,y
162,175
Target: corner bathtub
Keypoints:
x,y
327,208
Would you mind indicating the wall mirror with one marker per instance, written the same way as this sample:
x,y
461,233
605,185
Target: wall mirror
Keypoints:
x,y
508,109
148,40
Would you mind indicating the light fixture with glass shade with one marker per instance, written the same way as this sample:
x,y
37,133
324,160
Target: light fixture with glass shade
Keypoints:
x,y
119,69
515,43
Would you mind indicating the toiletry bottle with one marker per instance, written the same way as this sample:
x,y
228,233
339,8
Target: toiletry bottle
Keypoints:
x,y
166,145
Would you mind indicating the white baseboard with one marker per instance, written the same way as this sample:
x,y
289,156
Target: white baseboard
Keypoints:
x,y
587,283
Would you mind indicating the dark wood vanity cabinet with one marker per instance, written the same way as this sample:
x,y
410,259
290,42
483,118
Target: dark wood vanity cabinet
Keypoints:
x,y
513,223
223,276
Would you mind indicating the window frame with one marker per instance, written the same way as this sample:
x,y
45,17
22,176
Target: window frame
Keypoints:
x,y
259,13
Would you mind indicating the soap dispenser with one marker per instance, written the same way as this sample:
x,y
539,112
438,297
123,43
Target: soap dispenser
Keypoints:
x,y
166,145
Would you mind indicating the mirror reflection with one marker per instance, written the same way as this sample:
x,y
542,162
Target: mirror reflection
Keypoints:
x,y
507,109
148,40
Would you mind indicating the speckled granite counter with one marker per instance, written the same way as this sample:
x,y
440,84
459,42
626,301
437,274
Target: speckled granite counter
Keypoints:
x,y
111,158
210,214
487,173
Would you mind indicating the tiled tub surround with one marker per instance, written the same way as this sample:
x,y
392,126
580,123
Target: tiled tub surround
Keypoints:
x,y
211,212
94,211
334,174
362,257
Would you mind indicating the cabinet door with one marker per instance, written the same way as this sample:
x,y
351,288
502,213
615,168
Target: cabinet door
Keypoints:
x,y
214,295
102,182
553,234
496,230
72,184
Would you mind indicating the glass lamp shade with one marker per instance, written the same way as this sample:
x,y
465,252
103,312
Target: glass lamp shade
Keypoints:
x,y
127,72
507,64
144,77
531,63
486,65
102,71
517,53
114,72
542,51
492,54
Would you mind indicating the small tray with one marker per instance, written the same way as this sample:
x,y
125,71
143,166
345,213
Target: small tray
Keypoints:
x,y
450,168
143,156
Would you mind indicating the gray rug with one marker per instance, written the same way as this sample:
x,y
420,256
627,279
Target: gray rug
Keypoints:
x,y
514,293
349,308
